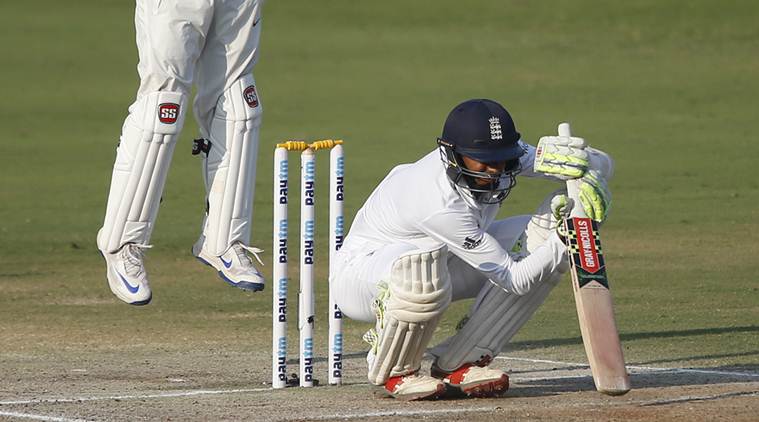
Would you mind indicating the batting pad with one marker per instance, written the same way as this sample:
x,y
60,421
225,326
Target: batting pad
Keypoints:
x,y
229,168
494,319
139,174
496,315
420,290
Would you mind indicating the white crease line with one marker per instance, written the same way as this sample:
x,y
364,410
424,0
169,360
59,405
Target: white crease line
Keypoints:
x,y
136,396
421,412
518,379
699,398
38,417
641,368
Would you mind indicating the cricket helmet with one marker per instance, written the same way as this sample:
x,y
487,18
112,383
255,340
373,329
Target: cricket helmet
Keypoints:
x,y
484,131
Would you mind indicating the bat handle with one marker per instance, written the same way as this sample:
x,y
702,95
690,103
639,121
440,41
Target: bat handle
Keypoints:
x,y
573,185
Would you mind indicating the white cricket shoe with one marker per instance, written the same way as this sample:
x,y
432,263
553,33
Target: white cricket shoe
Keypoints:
x,y
414,387
474,381
126,274
234,266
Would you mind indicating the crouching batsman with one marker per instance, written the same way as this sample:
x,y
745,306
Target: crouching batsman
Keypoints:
x,y
427,236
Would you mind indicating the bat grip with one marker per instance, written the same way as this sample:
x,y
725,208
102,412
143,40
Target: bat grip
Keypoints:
x,y
573,185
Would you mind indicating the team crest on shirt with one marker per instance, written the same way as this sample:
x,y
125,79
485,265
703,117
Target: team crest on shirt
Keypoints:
x,y
471,243
250,96
495,129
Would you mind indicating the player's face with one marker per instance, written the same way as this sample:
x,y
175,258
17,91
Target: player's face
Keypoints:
x,y
490,168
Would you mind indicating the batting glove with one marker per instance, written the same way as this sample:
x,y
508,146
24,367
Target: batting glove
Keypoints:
x,y
561,206
595,195
563,157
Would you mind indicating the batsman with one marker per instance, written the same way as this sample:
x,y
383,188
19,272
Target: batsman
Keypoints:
x,y
428,235
214,45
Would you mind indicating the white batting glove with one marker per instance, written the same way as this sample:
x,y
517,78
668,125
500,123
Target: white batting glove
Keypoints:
x,y
563,157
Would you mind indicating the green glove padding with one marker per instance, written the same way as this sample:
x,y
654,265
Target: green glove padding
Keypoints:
x,y
561,156
595,196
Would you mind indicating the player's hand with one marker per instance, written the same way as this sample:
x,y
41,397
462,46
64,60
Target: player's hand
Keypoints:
x,y
563,157
561,206
595,195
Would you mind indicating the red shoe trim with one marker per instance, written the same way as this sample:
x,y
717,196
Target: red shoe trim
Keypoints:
x,y
393,382
457,377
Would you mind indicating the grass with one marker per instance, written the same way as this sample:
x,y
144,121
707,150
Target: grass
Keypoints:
x,y
668,89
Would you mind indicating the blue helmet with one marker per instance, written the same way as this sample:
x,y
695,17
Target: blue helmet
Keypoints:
x,y
484,131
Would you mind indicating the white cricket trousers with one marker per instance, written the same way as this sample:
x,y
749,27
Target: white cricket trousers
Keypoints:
x,y
357,273
212,43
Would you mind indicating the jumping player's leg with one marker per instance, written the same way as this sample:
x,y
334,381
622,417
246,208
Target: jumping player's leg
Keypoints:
x,y
169,39
229,112
496,314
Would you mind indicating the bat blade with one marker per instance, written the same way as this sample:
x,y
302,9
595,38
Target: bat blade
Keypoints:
x,y
595,308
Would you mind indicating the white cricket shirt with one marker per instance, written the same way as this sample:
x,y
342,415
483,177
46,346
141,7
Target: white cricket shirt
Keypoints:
x,y
416,203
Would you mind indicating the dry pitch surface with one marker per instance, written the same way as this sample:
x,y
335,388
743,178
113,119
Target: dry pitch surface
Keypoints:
x,y
231,385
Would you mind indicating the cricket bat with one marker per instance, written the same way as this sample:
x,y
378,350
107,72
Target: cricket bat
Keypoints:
x,y
595,309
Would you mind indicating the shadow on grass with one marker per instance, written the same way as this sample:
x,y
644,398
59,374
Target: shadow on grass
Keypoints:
x,y
537,344
655,379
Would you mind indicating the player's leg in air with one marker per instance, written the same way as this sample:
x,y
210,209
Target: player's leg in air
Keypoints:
x,y
170,37
228,110
496,315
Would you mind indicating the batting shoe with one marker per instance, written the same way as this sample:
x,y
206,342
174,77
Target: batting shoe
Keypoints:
x,y
414,387
474,381
126,274
234,266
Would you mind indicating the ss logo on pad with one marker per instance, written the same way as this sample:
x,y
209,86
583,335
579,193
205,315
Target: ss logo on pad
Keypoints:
x,y
168,113
250,96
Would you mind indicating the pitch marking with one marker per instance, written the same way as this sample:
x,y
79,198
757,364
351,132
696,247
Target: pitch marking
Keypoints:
x,y
641,368
346,416
136,396
191,393
38,417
